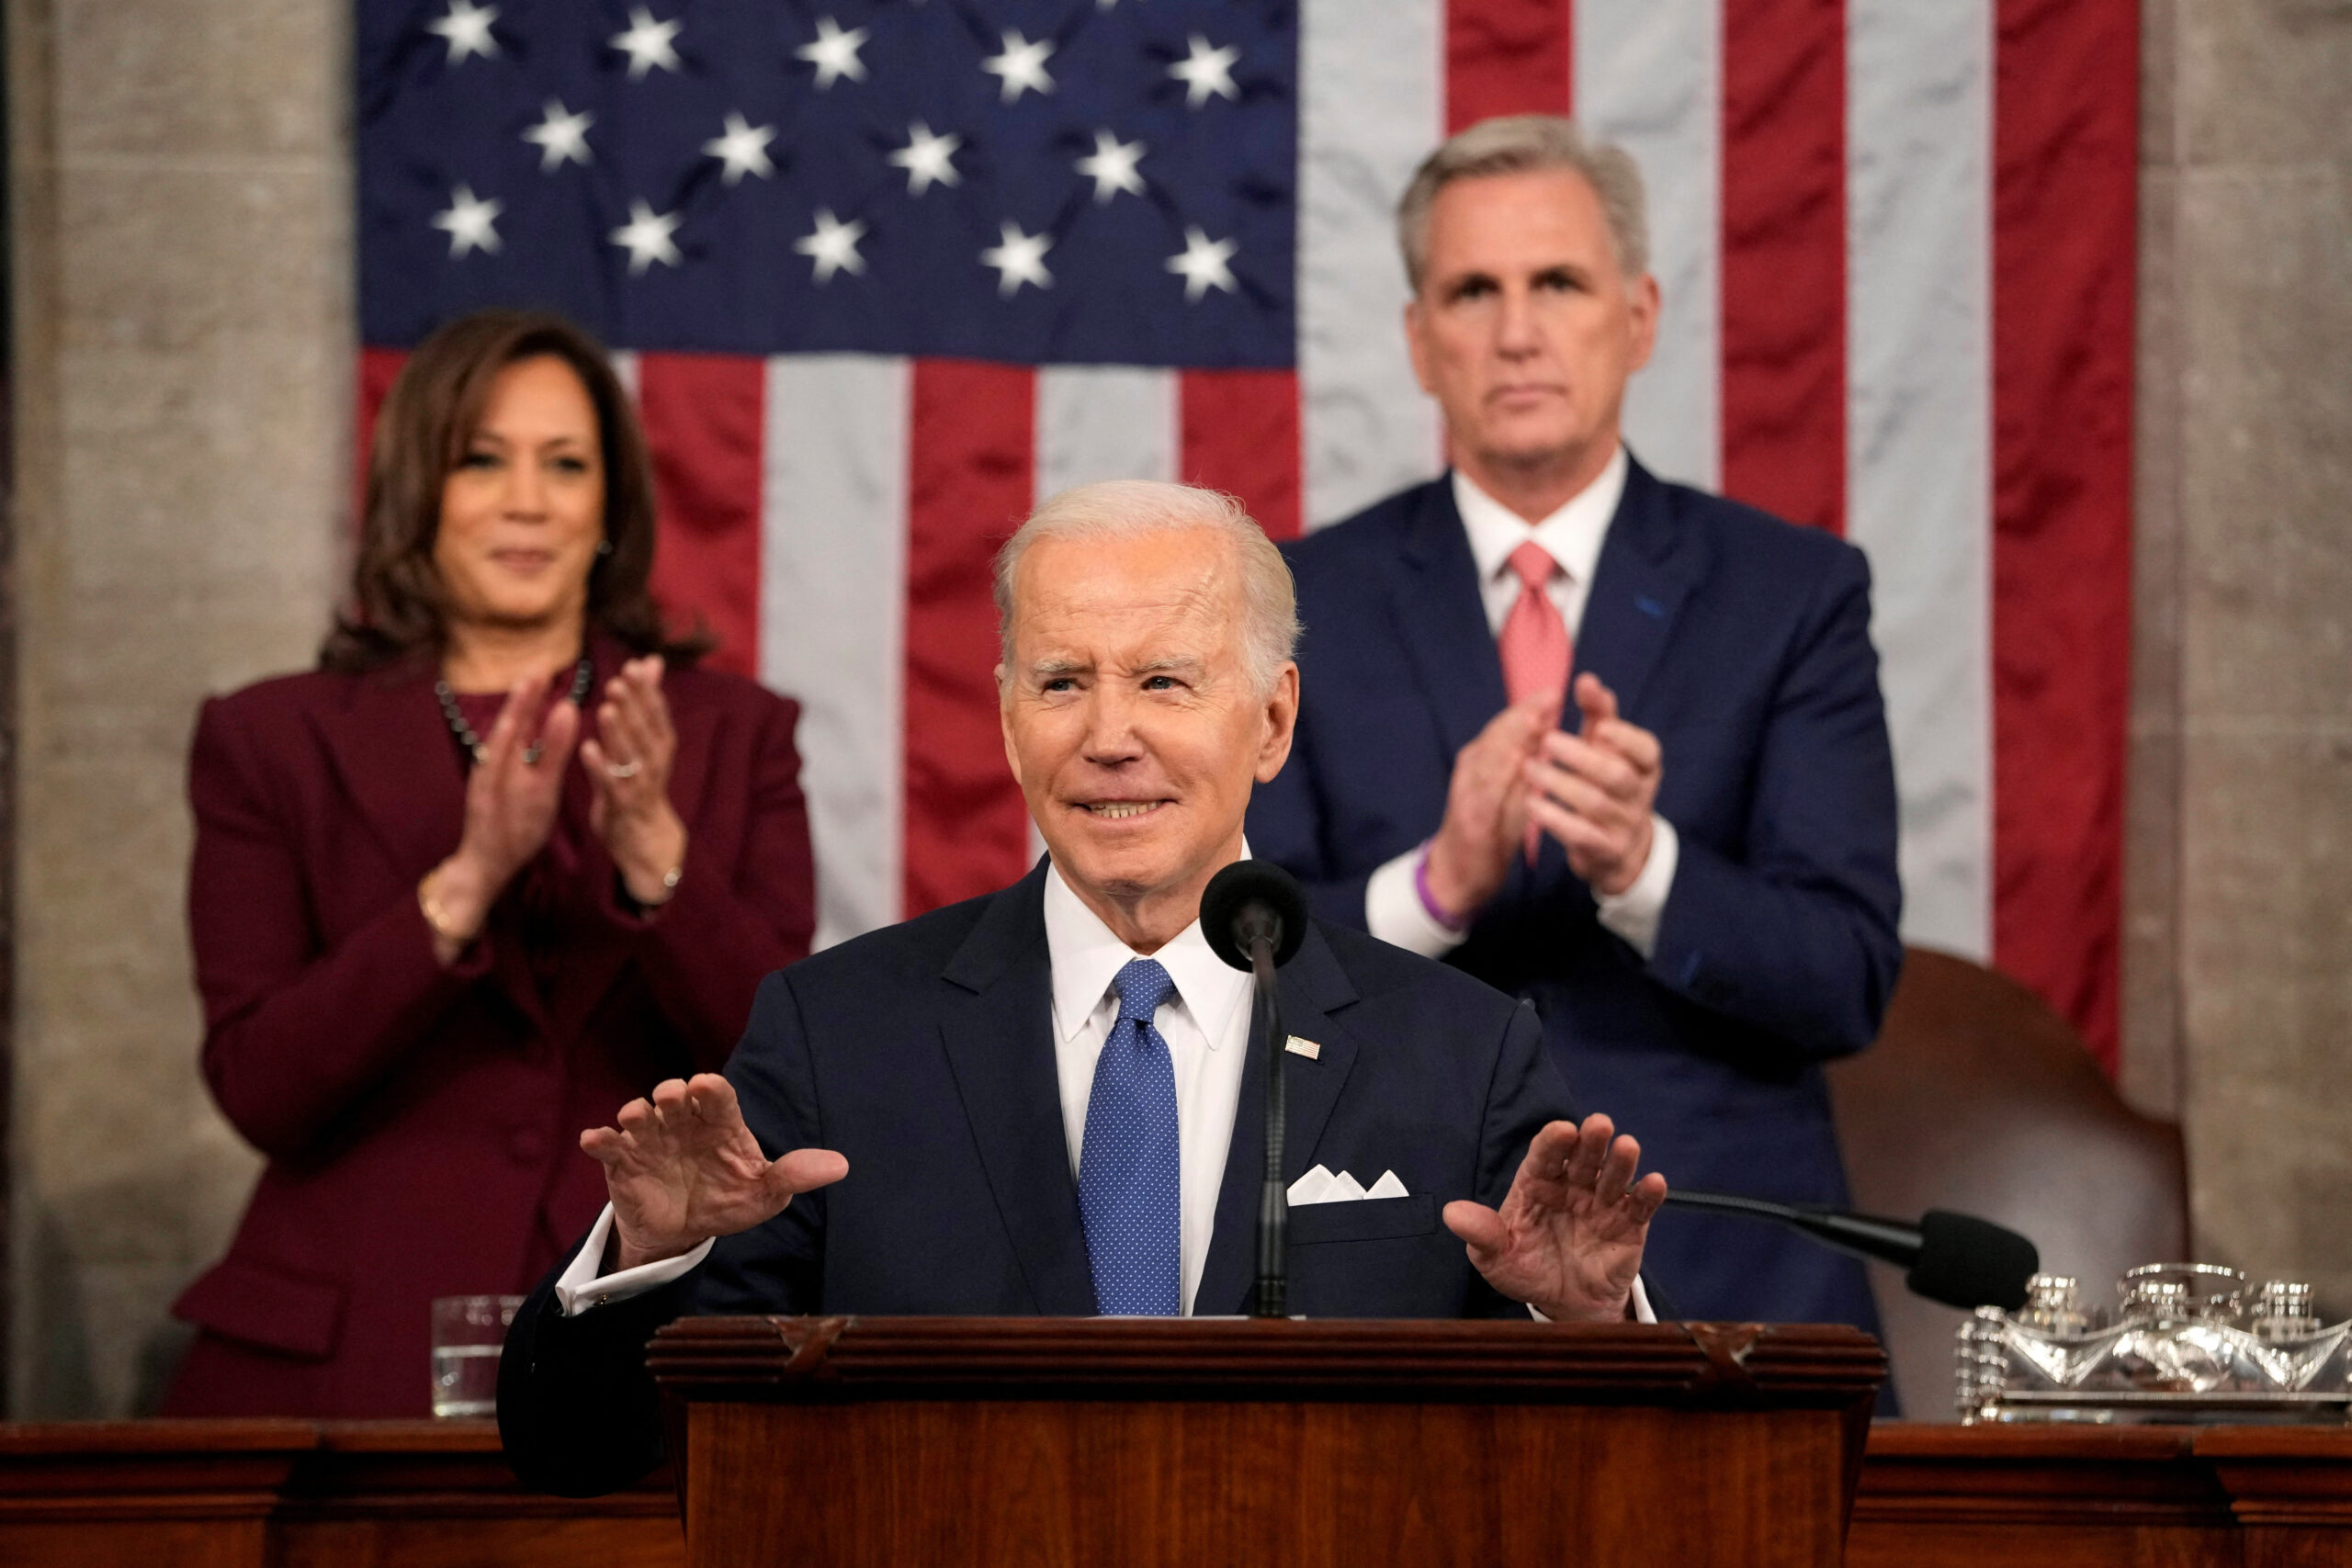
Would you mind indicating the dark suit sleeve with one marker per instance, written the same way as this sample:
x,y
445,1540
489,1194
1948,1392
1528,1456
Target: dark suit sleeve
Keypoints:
x,y
1527,1094
295,1031
1799,936
578,1412
727,926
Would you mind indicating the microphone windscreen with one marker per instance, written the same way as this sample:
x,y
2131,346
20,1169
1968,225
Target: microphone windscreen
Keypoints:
x,y
1968,1263
1244,883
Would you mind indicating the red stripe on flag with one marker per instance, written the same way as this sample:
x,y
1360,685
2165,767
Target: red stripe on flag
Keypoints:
x,y
2065,103
1240,435
1507,57
378,367
972,476
703,416
1784,258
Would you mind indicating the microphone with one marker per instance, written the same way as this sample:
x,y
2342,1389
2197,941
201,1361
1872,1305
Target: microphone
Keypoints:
x,y
1957,1259
1254,916
1250,900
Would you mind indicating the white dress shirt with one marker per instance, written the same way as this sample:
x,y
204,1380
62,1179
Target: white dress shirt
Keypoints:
x,y
1572,538
1206,1023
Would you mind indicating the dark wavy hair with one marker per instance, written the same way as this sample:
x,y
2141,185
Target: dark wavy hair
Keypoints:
x,y
399,604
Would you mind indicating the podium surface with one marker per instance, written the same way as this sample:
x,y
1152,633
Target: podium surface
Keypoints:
x,y
919,1441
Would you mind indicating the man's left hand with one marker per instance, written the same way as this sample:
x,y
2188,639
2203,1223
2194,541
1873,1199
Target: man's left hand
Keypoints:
x,y
1567,1240
1594,792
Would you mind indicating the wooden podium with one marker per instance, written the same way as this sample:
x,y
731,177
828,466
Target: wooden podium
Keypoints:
x,y
915,1442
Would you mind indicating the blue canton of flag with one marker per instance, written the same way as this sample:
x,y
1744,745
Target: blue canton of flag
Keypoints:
x,y
1027,181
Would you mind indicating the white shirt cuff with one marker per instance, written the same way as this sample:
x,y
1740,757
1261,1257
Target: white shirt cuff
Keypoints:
x,y
1642,1312
1393,913
1635,914
583,1287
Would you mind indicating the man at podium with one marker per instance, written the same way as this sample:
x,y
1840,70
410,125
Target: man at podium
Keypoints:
x,y
1046,1100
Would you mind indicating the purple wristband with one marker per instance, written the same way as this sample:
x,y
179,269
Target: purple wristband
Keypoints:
x,y
1429,900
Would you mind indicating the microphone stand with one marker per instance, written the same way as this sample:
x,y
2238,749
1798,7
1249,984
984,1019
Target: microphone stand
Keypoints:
x,y
1273,1298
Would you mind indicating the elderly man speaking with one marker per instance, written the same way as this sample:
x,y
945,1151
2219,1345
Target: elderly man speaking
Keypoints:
x,y
1032,1102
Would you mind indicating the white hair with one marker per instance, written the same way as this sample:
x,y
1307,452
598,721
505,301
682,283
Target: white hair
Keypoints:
x,y
1128,509
1524,144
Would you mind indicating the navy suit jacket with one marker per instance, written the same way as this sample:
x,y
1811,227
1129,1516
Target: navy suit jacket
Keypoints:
x,y
924,1054
1742,642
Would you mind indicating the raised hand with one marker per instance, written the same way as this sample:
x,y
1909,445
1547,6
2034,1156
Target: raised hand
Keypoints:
x,y
1595,792
682,1168
511,802
628,763
1485,806
1568,1238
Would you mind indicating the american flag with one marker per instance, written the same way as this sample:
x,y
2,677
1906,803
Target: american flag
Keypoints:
x,y
883,273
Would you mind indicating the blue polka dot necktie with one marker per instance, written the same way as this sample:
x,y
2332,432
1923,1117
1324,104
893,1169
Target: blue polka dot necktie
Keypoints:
x,y
1128,1171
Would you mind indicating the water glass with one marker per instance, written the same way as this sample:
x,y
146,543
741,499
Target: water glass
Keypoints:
x,y
467,1333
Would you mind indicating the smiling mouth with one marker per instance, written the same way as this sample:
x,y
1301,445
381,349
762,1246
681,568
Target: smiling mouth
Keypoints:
x,y
1119,810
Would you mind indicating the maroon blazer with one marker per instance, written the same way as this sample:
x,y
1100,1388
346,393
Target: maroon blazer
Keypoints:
x,y
423,1124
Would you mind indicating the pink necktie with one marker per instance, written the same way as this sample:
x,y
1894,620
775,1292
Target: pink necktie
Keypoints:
x,y
1534,642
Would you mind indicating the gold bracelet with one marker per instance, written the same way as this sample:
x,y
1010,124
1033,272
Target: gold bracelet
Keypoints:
x,y
433,916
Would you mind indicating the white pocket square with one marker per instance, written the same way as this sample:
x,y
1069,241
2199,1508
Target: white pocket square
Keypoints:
x,y
1319,1186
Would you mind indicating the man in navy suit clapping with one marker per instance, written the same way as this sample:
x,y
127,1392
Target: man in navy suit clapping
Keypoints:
x,y
1044,1100
1609,744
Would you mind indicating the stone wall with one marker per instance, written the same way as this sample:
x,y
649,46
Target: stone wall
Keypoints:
x,y
2241,897
182,301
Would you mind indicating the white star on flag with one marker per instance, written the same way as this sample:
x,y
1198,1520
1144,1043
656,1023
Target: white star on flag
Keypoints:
x,y
929,160
743,149
646,237
1203,265
1205,71
466,28
1021,65
1112,166
834,54
647,43
562,135
834,245
1020,259
470,222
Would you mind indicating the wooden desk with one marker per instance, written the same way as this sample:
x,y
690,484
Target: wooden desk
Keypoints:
x,y
1942,1496
306,1494
436,1494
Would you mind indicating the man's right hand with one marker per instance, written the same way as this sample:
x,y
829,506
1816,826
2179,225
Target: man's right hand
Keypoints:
x,y
1485,806
682,1168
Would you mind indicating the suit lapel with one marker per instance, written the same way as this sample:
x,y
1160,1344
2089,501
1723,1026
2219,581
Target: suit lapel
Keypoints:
x,y
1439,614
392,751
1313,987
999,1039
1646,569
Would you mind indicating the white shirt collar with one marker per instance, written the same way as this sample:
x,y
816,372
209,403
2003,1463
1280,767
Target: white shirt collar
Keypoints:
x,y
1571,535
1085,957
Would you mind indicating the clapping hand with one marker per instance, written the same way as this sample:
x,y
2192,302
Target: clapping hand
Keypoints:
x,y
510,799
628,763
1487,805
1594,792
682,1167
1567,1240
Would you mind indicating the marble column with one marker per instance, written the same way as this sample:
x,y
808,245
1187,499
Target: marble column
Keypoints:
x,y
182,298
2240,963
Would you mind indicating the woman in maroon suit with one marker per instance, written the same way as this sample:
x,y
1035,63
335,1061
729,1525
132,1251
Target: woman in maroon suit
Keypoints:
x,y
504,862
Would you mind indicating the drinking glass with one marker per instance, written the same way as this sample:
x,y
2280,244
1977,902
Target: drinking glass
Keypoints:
x,y
467,1333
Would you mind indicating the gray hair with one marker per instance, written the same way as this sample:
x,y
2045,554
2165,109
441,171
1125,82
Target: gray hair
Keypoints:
x,y
1523,143
1128,509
